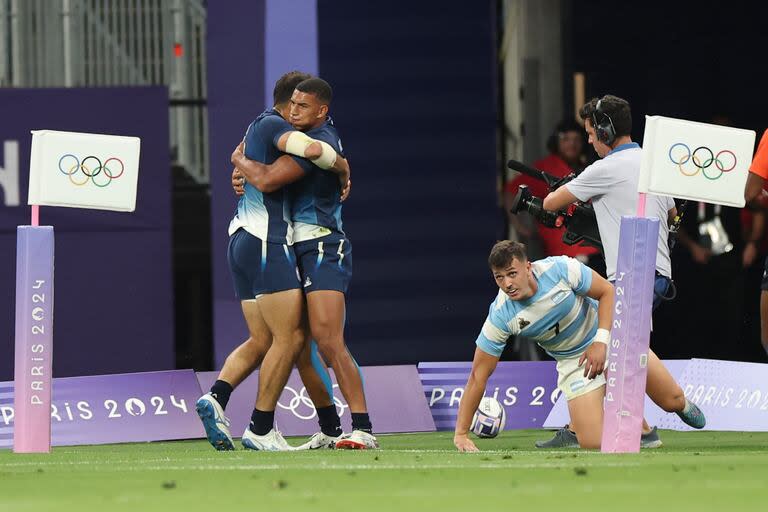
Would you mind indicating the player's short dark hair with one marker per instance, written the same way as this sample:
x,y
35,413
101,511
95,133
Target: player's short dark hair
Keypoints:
x,y
286,84
504,252
319,88
616,108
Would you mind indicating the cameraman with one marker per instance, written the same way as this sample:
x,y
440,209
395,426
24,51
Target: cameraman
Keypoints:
x,y
611,183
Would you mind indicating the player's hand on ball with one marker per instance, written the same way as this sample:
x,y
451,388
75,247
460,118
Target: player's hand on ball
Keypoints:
x,y
464,444
593,360
238,182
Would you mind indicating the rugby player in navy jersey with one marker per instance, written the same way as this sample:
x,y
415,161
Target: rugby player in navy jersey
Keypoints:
x,y
322,249
263,268
566,308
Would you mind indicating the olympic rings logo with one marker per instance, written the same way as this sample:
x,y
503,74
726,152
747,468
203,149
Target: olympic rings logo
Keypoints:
x,y
91,167
702,159
301,399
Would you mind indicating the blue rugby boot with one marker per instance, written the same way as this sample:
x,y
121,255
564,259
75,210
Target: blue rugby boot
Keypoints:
x,y
216,425
692,415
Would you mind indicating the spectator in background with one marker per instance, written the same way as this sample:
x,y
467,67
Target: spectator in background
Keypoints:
x,y
716,252
758,173
753,230
710,255
566,147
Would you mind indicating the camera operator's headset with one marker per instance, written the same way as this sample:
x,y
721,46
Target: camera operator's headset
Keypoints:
x,y
604,129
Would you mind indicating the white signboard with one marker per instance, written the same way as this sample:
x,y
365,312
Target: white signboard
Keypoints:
x,y
697,161
84,170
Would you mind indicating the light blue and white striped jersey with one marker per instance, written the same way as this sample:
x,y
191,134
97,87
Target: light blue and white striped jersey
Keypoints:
x,y
559,316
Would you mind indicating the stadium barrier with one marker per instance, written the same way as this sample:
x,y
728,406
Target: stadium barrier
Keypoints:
x,y
733,396
526,389
130,407
158,406
393,394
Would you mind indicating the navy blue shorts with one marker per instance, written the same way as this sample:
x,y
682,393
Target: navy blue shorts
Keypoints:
x,y
260,267
325,263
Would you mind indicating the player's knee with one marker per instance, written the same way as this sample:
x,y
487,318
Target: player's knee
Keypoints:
x,y
297,340
292,342
322,332
332,350
328,337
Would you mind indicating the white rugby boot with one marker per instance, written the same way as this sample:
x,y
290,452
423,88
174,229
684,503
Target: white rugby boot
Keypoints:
x,y
272,441
319,441
357,440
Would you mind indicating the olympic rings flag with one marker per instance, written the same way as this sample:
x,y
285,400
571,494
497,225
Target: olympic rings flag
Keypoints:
x,y
697,161
84,170
677,157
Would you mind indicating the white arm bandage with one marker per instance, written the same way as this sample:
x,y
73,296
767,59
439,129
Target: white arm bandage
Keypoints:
x,y
602,336
328,158
297,144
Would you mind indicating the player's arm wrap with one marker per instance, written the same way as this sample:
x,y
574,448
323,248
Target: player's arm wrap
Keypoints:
x,y
297,143
602,336
327,158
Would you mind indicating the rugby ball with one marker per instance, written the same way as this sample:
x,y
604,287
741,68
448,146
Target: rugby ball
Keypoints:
x,y
489,418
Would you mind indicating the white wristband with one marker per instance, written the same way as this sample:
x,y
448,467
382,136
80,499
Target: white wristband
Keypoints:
x,y
602,336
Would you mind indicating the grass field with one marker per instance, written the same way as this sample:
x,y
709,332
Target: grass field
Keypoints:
x,y
693,471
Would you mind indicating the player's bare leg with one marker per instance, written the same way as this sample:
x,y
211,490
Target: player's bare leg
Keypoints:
x,y
317,388
244,359
326,321
586,413
327,311
281,313
314,374
667,393
661,387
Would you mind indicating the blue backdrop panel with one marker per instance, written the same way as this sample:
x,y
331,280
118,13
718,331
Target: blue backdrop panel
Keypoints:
x,y
414,102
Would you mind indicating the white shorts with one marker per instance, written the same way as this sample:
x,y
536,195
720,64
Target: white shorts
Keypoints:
x,y
571,380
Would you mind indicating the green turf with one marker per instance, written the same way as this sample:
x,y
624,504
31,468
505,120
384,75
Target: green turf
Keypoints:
x,y
693,471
